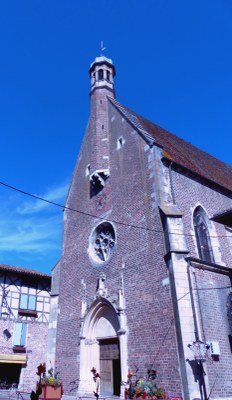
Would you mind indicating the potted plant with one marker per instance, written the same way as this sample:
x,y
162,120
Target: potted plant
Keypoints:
x,y
143,388
49,386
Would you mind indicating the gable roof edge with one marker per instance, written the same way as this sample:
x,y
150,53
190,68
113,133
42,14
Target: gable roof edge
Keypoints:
x,y
169,161
143,133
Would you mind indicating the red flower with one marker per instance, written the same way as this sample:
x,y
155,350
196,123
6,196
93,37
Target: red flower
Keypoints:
x,y
41,369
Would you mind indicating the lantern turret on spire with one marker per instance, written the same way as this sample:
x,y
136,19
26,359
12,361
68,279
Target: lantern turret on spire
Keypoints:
x,y
102,74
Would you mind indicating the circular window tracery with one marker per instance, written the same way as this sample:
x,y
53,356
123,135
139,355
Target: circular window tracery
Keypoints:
x,y
102,242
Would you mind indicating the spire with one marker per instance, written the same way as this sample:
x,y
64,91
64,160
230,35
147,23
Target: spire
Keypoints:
x,y
102,73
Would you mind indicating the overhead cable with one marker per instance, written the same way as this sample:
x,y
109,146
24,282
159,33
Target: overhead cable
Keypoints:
x,y
99,217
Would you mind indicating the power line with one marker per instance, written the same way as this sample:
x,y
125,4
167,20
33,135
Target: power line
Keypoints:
x,y
102,218
211,288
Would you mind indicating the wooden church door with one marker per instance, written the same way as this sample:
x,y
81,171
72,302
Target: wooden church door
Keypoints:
x,y
110,372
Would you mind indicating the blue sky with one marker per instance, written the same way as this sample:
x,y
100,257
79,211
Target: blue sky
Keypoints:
x,y
173,62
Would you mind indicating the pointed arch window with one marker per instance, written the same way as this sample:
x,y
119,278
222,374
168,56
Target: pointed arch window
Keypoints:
x,y
202,235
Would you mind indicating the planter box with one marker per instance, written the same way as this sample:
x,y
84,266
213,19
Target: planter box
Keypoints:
x,y
51,392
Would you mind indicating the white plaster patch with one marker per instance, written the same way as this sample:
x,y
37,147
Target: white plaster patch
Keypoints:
x,y
165,281
87,170
105,139
176,234
146,147
112,118
105,157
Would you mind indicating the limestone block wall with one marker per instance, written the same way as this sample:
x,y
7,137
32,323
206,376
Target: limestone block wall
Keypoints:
x,y
210,288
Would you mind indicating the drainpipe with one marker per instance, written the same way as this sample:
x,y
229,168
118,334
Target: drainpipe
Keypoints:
x,y
196,332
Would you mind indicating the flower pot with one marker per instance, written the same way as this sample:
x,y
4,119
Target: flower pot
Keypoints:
x,y
50,392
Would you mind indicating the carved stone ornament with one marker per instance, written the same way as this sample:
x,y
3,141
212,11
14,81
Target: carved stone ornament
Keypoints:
x,y
100,201
89,342
101,289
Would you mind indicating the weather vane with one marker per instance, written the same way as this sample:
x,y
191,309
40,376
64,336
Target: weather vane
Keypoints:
x,y
102,48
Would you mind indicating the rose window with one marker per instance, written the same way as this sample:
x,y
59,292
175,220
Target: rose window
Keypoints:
x,y
102,242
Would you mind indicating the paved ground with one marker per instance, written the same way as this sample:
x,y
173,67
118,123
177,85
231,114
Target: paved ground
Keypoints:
x,y
13,395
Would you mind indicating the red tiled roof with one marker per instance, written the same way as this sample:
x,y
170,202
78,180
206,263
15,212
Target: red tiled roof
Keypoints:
x,y
180,151
24,271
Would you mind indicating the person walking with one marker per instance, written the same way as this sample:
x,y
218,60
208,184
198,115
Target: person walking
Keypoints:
x,y
96,379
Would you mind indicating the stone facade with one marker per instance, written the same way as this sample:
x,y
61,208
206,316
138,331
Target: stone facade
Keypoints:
x,y
134,289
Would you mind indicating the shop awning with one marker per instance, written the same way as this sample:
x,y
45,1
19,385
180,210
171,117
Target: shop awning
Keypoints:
x,y
13,359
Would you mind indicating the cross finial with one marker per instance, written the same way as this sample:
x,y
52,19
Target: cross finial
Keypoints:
x,y
102,48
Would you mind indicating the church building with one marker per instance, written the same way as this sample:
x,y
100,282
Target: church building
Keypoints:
x,y
144,280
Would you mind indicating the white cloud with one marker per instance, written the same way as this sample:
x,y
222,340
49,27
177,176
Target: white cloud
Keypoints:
x,y
55,194
30,231
30,235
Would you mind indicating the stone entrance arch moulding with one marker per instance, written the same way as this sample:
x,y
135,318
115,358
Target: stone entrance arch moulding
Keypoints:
x,y
103,321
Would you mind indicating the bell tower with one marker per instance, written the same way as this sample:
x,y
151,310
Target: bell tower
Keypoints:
x,y
102,74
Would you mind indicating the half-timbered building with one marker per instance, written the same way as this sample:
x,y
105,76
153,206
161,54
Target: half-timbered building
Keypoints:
x,y
24,319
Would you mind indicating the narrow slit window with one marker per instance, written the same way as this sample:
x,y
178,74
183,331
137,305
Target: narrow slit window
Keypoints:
x,y
100,74
87,170
120,143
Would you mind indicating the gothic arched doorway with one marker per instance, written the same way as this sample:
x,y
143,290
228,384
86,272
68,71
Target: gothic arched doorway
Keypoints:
x,y
110,370
100,347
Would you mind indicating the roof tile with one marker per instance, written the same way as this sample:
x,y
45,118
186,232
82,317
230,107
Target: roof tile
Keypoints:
x,y
180,151
24,271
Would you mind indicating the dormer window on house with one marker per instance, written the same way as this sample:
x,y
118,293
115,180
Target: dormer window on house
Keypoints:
x,y
204,247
